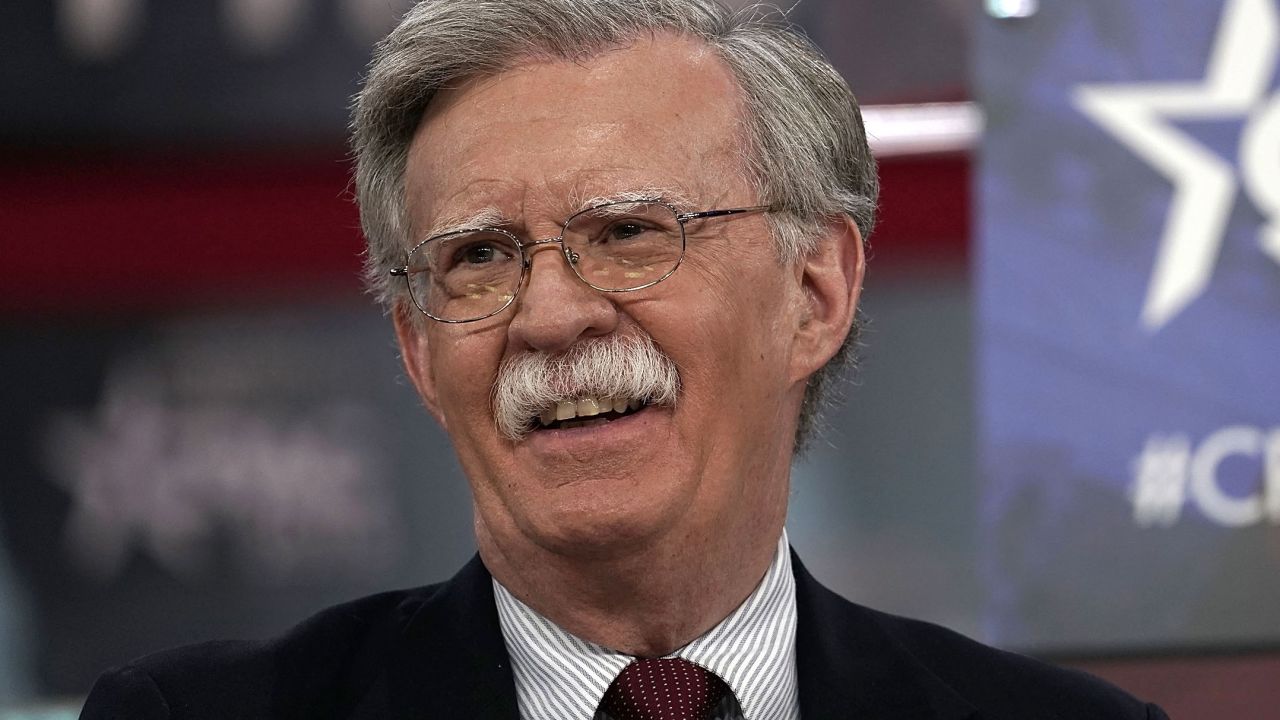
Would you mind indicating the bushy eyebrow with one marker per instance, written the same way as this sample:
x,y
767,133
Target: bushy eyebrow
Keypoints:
x,y
671,196
493,217
485,217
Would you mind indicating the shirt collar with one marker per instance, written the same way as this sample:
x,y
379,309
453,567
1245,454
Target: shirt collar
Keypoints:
x,y
559,676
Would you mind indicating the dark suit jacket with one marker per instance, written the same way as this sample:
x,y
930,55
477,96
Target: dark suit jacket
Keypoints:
x,y
437,652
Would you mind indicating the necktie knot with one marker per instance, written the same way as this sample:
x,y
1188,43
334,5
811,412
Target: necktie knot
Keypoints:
x,y
663,689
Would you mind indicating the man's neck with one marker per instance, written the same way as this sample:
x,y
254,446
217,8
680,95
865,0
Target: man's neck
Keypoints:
x,y
646,603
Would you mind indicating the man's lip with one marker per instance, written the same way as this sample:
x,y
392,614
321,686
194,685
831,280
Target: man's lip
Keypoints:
x,y
610,415
597,426
616,433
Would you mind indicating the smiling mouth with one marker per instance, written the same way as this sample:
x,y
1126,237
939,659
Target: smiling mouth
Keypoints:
x,y
586,412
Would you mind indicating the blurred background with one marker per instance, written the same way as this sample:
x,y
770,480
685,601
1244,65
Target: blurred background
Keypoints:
x,y
1063,437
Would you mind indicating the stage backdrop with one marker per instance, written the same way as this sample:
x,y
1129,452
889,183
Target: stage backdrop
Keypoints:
x,y
1129,324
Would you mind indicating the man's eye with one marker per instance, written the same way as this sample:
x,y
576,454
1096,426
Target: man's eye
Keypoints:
x,y
477,254
623,230
481,253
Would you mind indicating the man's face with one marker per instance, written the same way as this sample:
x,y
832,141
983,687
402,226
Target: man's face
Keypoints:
x,y
535,143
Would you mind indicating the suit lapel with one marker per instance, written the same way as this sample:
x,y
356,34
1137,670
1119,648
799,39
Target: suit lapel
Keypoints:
x,y
449,659
848,666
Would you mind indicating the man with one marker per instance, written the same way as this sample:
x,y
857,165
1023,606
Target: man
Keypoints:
x,y
622,246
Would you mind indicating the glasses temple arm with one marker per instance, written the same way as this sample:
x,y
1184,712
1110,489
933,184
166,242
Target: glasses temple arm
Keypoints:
x,y
685,217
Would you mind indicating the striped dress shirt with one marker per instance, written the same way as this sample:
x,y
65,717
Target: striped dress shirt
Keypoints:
x,y
559,676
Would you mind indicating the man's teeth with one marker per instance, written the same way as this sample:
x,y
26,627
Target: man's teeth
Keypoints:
x,y
587,407
566,410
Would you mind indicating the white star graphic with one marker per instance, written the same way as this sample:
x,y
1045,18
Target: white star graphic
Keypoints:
x,y
1236,79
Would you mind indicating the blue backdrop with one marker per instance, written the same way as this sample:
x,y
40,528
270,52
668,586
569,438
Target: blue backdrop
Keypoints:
x,y
1129,324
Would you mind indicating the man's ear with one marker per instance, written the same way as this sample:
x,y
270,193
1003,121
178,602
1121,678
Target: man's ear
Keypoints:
x,y
414,353
831,282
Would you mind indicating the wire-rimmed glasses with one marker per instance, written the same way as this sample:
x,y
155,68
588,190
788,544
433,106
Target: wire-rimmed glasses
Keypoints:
x,y
474,273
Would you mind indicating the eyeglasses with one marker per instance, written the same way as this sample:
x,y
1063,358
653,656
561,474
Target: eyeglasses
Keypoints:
x,y
471,274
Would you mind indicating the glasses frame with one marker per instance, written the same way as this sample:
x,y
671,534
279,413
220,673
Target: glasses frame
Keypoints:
x,y
525,248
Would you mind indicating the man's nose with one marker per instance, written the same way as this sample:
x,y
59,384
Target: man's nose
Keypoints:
x,y
555,309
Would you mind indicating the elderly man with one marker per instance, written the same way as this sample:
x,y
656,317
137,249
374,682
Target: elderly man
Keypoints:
x,y
621,243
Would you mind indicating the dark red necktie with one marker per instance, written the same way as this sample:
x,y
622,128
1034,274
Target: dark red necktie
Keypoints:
x,y
663,689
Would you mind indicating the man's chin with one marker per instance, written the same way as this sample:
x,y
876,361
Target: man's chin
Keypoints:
x,y
598,532
602,544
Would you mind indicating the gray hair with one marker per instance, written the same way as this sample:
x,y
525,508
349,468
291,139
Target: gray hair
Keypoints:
x,y
806,150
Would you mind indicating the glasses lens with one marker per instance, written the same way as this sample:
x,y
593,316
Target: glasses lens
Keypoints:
x,y
624,245
465,275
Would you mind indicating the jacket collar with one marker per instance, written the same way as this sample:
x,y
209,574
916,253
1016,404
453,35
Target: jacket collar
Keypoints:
x,y
449,658
849,665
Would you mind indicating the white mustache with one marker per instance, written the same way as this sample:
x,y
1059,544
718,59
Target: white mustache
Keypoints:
x,y
614,366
